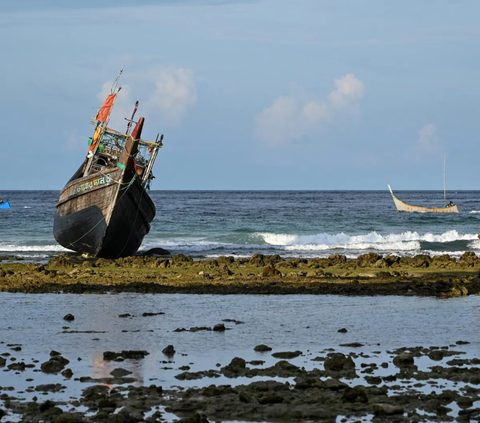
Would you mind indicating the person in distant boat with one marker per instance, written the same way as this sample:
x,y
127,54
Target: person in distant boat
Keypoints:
x,y
2,201
450,204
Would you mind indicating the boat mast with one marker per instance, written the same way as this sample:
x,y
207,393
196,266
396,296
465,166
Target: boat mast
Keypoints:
x,y
114,90
445,180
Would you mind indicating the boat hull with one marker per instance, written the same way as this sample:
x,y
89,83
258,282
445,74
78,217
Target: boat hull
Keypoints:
x,y
103,215
5,205
407,208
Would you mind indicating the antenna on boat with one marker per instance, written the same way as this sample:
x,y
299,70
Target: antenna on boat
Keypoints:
x,y
115,84
130,121
445,180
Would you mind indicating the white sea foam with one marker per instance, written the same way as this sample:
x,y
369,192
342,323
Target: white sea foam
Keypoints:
x,y
31,248
475,212
386,246
406,241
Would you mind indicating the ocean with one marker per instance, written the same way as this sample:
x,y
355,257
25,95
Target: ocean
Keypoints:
x,y
307,224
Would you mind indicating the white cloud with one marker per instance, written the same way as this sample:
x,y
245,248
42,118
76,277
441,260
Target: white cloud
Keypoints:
x,y
428,139
291,118
175,93
171,93
347,90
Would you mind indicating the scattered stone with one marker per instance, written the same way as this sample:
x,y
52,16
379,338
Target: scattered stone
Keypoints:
x,y
237,322
130,354
120,372
67,373
338,362
342,330
169,350
262,348
404,360
156,252
287,355
220,327
152,314
352,345
69,317
382,409
55,365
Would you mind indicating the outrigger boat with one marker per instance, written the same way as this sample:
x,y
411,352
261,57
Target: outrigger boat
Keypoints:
x,y
4,204
105,210
404,207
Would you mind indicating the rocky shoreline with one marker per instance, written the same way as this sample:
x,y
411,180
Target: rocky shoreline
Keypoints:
x,y
368,274
381,385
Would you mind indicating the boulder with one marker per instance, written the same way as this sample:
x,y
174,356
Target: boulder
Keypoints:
x,y
271,271
257,260
55,365
469,259
69,317
262,348
337,259
355,394
119,372
404,360
287,355
338,362
180,259
443,261
169,350
381,409
368,260
156,252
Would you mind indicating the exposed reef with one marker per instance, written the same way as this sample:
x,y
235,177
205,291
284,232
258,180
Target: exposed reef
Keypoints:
x,y
368,274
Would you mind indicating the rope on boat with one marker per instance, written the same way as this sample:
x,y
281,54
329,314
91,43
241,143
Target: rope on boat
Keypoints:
x,y
125,189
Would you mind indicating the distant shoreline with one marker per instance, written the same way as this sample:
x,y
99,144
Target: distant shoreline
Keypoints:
x,y
369,274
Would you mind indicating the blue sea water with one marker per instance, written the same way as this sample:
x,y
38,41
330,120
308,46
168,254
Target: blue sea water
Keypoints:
x,y
289,223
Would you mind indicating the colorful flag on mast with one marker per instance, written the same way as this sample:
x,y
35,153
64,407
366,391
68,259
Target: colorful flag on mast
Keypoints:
x,y
104,111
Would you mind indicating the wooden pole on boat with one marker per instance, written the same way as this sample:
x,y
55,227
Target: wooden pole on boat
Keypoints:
x,y
153,156
91,154
445,180
131,119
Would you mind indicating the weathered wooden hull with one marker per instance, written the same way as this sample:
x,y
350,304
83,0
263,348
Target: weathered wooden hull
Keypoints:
x,y
404,207
103,214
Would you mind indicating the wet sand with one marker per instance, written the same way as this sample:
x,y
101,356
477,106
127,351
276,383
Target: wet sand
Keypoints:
x,y
369,274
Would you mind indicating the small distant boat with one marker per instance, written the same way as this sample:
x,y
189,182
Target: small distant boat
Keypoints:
x,y
4,204
450,208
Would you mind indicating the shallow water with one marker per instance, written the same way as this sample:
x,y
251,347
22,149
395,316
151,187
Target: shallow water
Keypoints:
x,y
285,323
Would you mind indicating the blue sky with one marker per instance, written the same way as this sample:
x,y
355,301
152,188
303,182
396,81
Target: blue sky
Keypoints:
x,y
266,94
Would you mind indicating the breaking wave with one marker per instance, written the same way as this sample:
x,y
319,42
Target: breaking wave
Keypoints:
x,y
406,241
31,248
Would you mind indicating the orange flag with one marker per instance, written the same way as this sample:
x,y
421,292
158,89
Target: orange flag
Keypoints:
x,y
104,111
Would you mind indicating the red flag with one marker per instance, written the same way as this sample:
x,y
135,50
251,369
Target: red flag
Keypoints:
x,y
104,111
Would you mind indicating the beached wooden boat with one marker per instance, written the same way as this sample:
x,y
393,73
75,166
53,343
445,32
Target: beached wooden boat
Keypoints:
x,y
105,210
404,207
4,204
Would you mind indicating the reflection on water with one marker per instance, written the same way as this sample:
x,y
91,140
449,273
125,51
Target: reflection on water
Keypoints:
x,y
286,323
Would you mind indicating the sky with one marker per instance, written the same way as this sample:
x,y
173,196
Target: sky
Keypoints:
x,y
252,94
